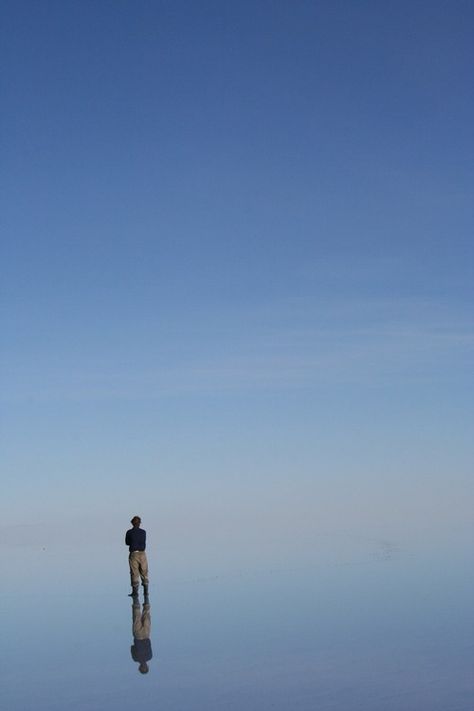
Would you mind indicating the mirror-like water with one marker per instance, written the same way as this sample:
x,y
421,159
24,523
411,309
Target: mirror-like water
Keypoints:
x,y
356,625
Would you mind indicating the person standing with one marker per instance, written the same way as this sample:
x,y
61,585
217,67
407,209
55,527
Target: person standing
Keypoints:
x,y
135,539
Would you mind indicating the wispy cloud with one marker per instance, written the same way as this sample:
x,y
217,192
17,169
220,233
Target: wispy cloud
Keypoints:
x,y
291,344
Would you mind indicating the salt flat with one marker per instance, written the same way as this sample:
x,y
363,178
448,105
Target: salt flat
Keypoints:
x,y
355,623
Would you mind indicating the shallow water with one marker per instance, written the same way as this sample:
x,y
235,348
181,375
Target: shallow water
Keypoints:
x,y
353,623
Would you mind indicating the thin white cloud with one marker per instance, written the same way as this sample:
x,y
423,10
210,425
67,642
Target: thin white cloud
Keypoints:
x,y
298,343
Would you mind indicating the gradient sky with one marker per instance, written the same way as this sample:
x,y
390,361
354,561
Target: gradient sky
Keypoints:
x,y
237,263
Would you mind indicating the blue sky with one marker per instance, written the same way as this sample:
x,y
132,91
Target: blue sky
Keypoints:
x,y
237,262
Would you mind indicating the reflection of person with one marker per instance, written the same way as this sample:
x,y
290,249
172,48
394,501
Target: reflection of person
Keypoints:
x,y
141,624
135,539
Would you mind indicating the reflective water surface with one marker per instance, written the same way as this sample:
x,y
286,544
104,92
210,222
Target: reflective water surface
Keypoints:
x,y
351,624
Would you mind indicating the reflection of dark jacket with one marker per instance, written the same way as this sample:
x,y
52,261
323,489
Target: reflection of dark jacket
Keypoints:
x,y
141,650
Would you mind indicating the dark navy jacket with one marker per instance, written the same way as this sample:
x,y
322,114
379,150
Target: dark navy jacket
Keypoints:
x,y
135,539
141,650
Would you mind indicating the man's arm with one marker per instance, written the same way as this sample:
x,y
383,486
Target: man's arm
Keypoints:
x,y
127,538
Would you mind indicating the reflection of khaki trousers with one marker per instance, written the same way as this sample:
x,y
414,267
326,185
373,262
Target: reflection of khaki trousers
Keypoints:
x,y
138,567
141,622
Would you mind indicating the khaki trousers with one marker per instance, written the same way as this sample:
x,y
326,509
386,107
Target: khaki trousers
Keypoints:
x,y
138,568
141,621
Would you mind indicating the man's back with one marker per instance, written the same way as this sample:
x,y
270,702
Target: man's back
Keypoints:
x,y
135,539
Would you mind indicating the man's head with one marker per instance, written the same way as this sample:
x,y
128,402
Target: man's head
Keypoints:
x,y
136,521
143,668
